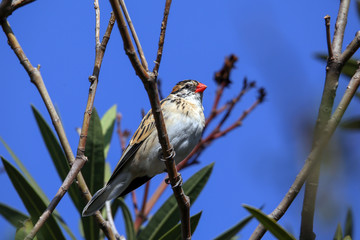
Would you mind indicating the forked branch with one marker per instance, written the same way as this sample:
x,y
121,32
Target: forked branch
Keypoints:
x,y
149,81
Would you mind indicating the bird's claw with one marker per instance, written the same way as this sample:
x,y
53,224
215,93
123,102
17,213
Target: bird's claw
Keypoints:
x,y
171,155
178,183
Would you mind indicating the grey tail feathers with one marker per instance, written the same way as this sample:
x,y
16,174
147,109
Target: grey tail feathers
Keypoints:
x,y
96,202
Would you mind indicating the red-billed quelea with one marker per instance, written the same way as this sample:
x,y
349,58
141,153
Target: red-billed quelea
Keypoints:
x,y
184,120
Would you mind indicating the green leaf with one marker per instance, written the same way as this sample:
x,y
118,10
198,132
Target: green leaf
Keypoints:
x,y
347,238
129,224
338,233
230,233
175,232
168,215
351,124
25,172
93,170
24,230
269,223
13,216
349,222
57,156
108,123
37,188
33,203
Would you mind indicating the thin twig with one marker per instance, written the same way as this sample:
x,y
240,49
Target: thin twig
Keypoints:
x,y
162,37
128,45
111,221
133,32
328,36
120,133
7,7
206,141
140,215
97,24
149,81
350,49
80,157
340,27
333,70
134,201
314,156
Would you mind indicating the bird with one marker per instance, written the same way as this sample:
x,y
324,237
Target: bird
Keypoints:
x,y
184,119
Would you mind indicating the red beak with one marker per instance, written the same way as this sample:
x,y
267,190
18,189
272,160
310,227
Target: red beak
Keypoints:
x,y
200,87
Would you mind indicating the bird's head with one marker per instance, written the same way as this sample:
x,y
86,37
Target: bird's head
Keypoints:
x,y
189,89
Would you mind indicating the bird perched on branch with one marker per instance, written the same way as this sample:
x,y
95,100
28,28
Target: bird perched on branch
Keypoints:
x,y
184,120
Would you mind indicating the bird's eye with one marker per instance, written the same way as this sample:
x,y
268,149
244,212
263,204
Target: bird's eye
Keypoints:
x,y
187,86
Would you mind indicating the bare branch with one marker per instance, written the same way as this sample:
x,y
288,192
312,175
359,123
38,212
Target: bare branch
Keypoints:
x,y
97,23
334,66
36,78
328,36
7,7
111,221
206,141
133,32
128,45
350,49
162,37
313,157
149,81
340,26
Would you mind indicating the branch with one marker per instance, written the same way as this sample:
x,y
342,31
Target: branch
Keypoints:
x,y
334,66
205,142
133,32
76,164
7,7
111,221
328,36
222,79
128,45
313,157
149,81
340,26
351,48
162,37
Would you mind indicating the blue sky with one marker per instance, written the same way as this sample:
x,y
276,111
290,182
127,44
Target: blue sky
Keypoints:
x,y
255,164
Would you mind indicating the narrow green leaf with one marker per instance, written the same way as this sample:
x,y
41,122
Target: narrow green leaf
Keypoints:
x,y
351,124
175,232
57,156
33,203
230,233
93,170
115,207
269,223
37,188
349,222
13,216
168,215
129,224
338,233
108,123
24,230
107,173
25,172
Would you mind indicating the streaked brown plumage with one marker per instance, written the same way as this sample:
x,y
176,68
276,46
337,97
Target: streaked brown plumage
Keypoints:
x,y
184,120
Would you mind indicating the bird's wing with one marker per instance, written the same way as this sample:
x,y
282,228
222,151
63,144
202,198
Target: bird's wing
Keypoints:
x,y
147,126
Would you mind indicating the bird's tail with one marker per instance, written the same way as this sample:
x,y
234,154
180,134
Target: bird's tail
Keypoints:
x,y
96,202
